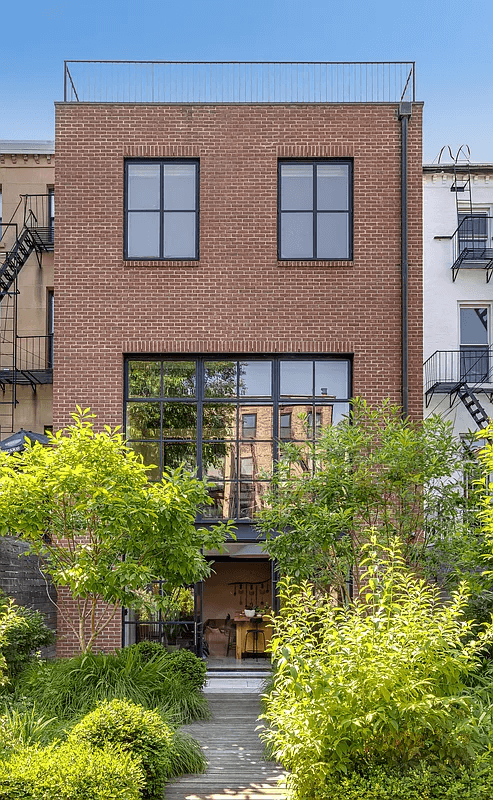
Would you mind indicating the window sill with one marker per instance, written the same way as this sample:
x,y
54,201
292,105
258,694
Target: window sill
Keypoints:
x,y
165,264
313,263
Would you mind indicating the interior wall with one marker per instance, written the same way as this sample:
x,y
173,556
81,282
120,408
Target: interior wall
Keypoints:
x,y
219,595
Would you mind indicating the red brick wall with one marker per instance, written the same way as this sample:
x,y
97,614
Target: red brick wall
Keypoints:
x,y
238,297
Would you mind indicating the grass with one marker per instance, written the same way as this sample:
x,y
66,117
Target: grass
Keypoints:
x,y
69,688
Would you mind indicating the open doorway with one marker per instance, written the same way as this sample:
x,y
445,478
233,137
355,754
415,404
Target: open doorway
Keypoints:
x,y
236,598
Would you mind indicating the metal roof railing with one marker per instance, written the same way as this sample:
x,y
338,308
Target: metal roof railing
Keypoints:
x,y
238,82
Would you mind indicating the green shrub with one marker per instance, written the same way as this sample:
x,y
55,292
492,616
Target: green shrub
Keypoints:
x,y
65,772
423,782
180,662
380,681
148,650
138,731
70,687
22,632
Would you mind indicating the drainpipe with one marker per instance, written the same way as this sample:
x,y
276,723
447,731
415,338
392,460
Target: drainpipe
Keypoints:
x,y
405,110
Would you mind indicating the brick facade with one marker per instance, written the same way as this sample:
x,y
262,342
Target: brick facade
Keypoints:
x,y
238,298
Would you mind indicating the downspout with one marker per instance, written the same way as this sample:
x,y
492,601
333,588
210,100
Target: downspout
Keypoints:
x,y
405,110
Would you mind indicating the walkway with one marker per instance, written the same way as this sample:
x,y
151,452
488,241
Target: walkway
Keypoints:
x,y
230,742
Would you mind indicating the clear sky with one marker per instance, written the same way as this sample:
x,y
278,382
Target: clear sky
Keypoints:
x,y
450,41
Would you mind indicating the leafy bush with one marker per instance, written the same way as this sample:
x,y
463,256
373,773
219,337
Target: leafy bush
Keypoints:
x,y
180,662
423,782
66,772
137,731
70,687
380,681
22,632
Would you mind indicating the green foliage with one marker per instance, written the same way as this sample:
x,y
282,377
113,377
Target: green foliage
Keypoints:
x,y
66,772
183,663
374,471
67,688
84,502
423,782
22,632
20,727
380,681
138,731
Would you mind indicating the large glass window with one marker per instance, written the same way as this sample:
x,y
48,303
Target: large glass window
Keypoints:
x,y
161,209
227,418
315,219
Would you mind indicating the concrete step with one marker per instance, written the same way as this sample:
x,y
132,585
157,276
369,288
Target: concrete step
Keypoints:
x,y
235,681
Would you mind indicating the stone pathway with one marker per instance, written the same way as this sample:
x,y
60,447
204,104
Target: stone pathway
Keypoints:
x,y
231,744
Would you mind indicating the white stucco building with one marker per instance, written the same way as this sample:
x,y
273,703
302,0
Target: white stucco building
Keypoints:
x,y
458,293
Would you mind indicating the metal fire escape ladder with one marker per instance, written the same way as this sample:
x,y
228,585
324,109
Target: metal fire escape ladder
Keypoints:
x,y
28,241
470,401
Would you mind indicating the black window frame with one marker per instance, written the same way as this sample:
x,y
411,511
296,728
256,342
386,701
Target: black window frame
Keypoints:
x,y
349,211
162,210
200,398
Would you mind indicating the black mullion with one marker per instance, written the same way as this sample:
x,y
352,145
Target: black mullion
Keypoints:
x,y
199,390
276,388
161,210
314,212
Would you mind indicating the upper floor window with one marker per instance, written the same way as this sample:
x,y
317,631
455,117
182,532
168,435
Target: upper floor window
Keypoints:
x,y
161,209
315,210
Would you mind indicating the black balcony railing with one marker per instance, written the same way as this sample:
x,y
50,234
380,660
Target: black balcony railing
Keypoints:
x,y
34,353
472,245
238,82
445,370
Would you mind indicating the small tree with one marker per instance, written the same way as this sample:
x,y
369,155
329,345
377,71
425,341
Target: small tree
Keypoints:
x,y
373,471
86,508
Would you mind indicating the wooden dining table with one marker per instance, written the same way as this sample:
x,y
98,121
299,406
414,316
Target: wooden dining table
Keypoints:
x,y
245,624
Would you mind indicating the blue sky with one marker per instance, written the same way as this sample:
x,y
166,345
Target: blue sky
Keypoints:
x,y
450,41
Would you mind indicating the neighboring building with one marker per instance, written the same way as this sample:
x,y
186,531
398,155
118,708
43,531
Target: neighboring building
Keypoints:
x,y
458,293
27,177
229,271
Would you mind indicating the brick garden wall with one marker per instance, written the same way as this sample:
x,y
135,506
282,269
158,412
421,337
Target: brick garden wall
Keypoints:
x,y
238,298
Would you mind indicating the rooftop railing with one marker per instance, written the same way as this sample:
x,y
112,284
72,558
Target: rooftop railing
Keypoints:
x,y
238,82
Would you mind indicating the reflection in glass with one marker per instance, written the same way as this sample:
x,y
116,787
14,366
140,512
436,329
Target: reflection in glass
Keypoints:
x,y
260,455
218,461
179,378
297,378
332,236
296,187
179,186
143,234
143,186
224,497
144,379
248,426
219,421
179,421
297,235
262,428
255,378
150,456
143,421
332,378
285,425
339,411
179,234
332,187
176,454
251,496
220,378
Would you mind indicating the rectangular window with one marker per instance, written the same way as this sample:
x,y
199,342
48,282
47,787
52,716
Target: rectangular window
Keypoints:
x,y
248,426
162,210
315,210
473,231
474,343
225,418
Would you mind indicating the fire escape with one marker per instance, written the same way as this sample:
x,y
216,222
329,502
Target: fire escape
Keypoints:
x,y
464,373
24,360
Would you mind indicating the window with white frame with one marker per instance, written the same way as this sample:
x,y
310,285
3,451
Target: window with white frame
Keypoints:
x,y
474,341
